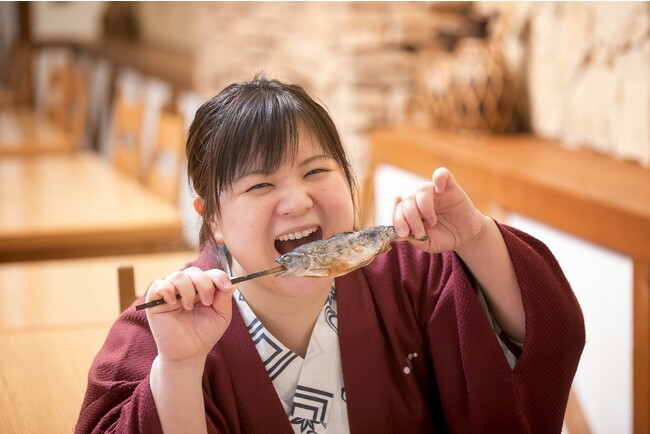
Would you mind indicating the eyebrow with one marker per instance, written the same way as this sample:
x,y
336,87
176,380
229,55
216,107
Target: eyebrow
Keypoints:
x,y
261,172
314,158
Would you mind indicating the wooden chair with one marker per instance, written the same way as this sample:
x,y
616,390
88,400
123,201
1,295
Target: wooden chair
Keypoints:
x,y
126,135
151,267
168,158
15,82
126,285
66,102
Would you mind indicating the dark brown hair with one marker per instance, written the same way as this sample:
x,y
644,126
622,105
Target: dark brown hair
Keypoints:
x,y
250,126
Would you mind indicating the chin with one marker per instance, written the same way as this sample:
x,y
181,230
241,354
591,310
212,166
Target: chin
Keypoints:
x,y
304,286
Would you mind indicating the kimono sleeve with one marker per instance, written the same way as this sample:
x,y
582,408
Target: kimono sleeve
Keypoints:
x,y
118,397
479,391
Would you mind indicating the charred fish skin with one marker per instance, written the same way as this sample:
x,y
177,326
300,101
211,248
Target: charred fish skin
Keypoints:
x,y
339,254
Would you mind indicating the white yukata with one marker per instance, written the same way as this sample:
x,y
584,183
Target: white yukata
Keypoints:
x,y
311,390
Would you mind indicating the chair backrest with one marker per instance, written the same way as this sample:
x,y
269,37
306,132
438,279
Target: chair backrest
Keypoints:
x,y
168,156
67,100
126,135
126,285
15,82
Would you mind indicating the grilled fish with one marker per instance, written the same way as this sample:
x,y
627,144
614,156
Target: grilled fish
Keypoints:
x,y
339,254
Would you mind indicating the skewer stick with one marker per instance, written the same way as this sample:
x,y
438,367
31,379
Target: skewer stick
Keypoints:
x,y
234,281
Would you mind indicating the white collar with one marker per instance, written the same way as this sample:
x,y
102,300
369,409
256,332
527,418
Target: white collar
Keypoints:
x,y
311,389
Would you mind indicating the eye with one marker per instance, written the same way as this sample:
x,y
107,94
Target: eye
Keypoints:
x,y
259,186
316,171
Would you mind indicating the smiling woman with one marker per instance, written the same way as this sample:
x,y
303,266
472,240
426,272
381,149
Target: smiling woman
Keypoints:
x,y
237,152
442,317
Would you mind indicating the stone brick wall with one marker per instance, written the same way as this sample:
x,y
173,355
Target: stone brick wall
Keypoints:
x,y
358,58
584,66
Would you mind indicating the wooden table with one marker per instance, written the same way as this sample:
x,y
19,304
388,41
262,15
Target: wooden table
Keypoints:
x,y
54,317
71,205
57,294
590,196
43,376
27,133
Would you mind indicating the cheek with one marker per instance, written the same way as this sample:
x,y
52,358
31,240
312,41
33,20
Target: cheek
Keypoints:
x,y
339,199
249,219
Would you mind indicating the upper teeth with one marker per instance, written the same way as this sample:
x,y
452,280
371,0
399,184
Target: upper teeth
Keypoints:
x,y
297,235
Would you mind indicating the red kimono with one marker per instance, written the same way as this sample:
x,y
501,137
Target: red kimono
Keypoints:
x,y
406,302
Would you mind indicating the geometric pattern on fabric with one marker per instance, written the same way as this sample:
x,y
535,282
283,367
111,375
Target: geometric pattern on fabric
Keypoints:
x,y
276,359
311,390
310,403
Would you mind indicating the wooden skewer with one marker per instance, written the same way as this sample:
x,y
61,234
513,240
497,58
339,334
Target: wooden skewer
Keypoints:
x,y
234,281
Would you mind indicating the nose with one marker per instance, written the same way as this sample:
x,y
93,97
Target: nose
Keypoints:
x,y
295,199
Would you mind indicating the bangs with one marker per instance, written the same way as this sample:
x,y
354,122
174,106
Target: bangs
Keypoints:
x,y
259,138
263,133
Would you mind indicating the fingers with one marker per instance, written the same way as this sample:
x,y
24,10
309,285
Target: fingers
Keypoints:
x,y
161,288
221,301
202,284
425,202
416,213
192,284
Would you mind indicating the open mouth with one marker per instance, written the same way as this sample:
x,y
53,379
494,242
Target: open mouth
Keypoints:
x,y
288,242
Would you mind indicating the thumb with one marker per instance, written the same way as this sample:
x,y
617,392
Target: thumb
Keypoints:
x,y
441,177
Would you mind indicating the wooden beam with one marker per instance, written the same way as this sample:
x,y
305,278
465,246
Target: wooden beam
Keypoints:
x,y
591,196
24,22
174,67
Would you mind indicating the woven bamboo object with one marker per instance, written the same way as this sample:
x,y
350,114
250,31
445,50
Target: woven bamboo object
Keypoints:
x,y
471,89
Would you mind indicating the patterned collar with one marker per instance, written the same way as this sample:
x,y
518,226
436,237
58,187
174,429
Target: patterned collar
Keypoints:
x,y
311,389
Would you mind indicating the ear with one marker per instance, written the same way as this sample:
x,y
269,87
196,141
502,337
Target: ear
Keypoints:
x,y
198,204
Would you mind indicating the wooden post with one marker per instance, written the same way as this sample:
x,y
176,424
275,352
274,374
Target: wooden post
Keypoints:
x,y
126,284
641,358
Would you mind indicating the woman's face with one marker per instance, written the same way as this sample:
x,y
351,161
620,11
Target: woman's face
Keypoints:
x,y
266,215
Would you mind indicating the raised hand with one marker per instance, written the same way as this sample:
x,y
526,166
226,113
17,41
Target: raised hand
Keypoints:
x,y
189,328
442,210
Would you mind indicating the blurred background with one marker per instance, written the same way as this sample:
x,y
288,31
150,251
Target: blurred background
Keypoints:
x,y
541,108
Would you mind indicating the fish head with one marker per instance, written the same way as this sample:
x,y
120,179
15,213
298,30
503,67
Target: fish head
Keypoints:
x,y
387,232
378,235
296,264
